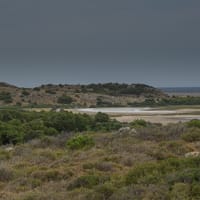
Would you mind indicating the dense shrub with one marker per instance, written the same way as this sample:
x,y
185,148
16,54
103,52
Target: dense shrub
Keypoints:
x,y
139,123
64,99
25,93
101,117
188,175
100,102
192,135
6,174
10,133
102,122
36,89
175,100
79,142
180,191
194,123
18,126
50,91
152,173
119,89
6,97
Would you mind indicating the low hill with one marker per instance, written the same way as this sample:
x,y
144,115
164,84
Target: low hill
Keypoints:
x,y
108,94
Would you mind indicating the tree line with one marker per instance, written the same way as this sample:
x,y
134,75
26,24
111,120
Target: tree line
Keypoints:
x,y
18,126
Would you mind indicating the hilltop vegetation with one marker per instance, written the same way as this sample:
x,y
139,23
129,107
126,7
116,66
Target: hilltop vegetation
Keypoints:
x,y
62,155
79,157
92,95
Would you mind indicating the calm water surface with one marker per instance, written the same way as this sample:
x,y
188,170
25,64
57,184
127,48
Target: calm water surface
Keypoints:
x,y
128,110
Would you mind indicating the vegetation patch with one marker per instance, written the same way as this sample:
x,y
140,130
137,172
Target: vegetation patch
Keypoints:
x,y
6,97
88,181
152,173
6,174
192,136
21,126
64,99
62,155
80,141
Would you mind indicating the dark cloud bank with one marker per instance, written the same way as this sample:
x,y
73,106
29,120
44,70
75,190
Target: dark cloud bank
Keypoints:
x,y
82,41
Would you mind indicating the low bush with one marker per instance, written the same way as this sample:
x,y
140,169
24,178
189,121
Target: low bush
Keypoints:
x,y
64,99
25,93
151,173
79,142
88,166
195,191
180,191
6,174
50,91
101,117
158,132
192,135
6,97
4,155
50,175
88,181
194,123
141,191
139,123
190,175
104,166
105,190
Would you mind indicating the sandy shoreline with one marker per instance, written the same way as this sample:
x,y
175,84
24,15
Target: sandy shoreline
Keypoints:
x,y
153,115
163,119
164,115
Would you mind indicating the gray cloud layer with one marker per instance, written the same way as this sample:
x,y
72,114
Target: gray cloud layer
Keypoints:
x,y
156,42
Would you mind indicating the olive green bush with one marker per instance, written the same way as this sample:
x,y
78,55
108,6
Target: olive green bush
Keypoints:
x,y
79,142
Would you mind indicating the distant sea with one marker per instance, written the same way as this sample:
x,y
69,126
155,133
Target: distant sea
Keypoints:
x,y
193,91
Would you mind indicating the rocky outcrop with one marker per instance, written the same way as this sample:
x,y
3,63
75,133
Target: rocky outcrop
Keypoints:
x,y
126,130
192,154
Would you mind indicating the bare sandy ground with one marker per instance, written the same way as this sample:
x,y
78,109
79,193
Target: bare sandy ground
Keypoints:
x,y
159,115
163,119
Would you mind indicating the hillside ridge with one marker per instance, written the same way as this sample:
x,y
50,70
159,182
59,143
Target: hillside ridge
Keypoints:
x,y
90,95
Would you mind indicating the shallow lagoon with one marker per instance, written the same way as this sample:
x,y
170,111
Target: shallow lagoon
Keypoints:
x,y
127,110
155,115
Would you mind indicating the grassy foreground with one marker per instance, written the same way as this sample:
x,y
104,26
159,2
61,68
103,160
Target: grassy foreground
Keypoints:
x,y
145,161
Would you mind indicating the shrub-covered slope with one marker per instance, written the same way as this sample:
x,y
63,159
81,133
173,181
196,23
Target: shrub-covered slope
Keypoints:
x,y
108,94
145,161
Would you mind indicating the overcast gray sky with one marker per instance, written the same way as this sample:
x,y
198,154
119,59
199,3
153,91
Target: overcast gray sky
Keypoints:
x,y
155,42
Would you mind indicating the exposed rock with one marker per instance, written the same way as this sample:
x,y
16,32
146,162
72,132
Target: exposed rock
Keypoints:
x,y
9,149
193,154
133,131
126,130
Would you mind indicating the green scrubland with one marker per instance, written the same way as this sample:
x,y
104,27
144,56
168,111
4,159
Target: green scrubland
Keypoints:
x,y
59,156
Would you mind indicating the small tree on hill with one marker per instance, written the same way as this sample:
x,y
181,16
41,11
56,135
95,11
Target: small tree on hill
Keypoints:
x,y
64,99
